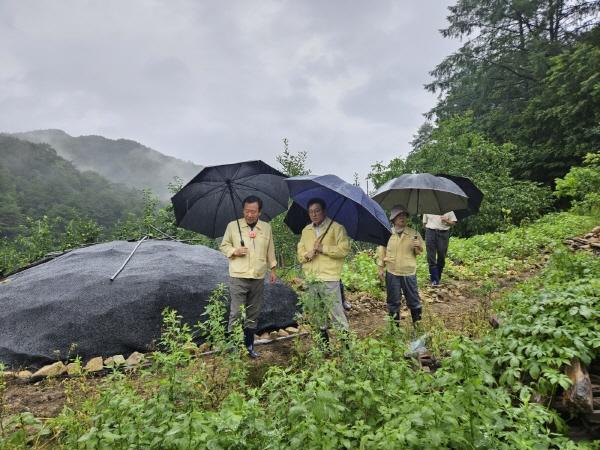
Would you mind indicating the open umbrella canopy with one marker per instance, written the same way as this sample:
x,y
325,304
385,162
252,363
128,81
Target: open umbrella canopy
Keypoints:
x,y
347,204
213,198
421,193
472,191
296,218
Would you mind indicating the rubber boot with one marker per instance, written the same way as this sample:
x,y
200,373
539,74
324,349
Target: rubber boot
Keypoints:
x,y
347,306
433,276
249,343
439,275
415,314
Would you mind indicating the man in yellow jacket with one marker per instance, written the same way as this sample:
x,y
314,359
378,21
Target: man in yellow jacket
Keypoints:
x,y
322,248
398,263
248,264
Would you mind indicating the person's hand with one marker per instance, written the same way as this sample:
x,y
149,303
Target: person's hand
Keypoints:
x,y
381,273
318,247
310,255
273,276
416,244
240,251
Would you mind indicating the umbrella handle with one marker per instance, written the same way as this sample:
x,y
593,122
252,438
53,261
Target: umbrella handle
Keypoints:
x,y
237,220
332,219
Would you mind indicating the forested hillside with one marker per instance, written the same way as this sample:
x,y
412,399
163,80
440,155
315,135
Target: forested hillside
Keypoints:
x,y
120,161
36,182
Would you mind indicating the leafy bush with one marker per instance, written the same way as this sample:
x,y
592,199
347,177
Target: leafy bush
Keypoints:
x,y
361,274
582,185
43,236
548,322
493,254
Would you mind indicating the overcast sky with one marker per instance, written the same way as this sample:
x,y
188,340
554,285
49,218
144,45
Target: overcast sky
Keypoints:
x,y
223,81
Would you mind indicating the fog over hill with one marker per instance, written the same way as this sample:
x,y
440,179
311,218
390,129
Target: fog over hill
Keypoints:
x,y
36,182
121,160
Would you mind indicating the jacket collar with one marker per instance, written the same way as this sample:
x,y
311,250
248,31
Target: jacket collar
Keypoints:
x,y
243,224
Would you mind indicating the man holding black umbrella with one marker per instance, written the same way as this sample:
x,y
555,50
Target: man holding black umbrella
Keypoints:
x,y
248,243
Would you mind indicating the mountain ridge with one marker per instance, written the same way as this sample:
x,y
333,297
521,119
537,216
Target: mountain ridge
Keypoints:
x,y
120,160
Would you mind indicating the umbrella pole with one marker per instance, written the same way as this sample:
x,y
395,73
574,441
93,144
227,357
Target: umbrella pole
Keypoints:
x,y
128,258
237,220
332,219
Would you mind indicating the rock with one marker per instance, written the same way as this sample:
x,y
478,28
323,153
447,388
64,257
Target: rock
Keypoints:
x,y
8,375
94,365
51,370
204,347
190,349
264,336
136,358
282,333
74,369
273,335
494,322
114,361
24,375
578,397
71,300
292,330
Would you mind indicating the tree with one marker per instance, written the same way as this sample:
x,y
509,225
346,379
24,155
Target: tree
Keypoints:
x,y
381,173
508,49
456,147
560,124
292,164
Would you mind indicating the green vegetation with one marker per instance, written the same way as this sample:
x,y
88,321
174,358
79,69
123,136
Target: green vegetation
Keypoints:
x,y
366,395
36,182
548,322
582,185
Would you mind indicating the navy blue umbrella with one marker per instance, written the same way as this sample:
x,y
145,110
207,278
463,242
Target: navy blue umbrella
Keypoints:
x,y
347,204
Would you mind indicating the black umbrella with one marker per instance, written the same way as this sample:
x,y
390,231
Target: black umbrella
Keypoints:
x,y
213,198
421,193
296,218
472,191
363,219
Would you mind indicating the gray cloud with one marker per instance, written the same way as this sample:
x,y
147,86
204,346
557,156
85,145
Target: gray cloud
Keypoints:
x,y
217,82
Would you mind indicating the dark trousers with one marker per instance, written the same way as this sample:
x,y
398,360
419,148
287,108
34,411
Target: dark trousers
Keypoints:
x,y
248,292
436,243
398,285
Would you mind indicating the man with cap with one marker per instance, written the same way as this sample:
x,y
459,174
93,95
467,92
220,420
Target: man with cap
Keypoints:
x,y
397,262
322,248
437,237
248,243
